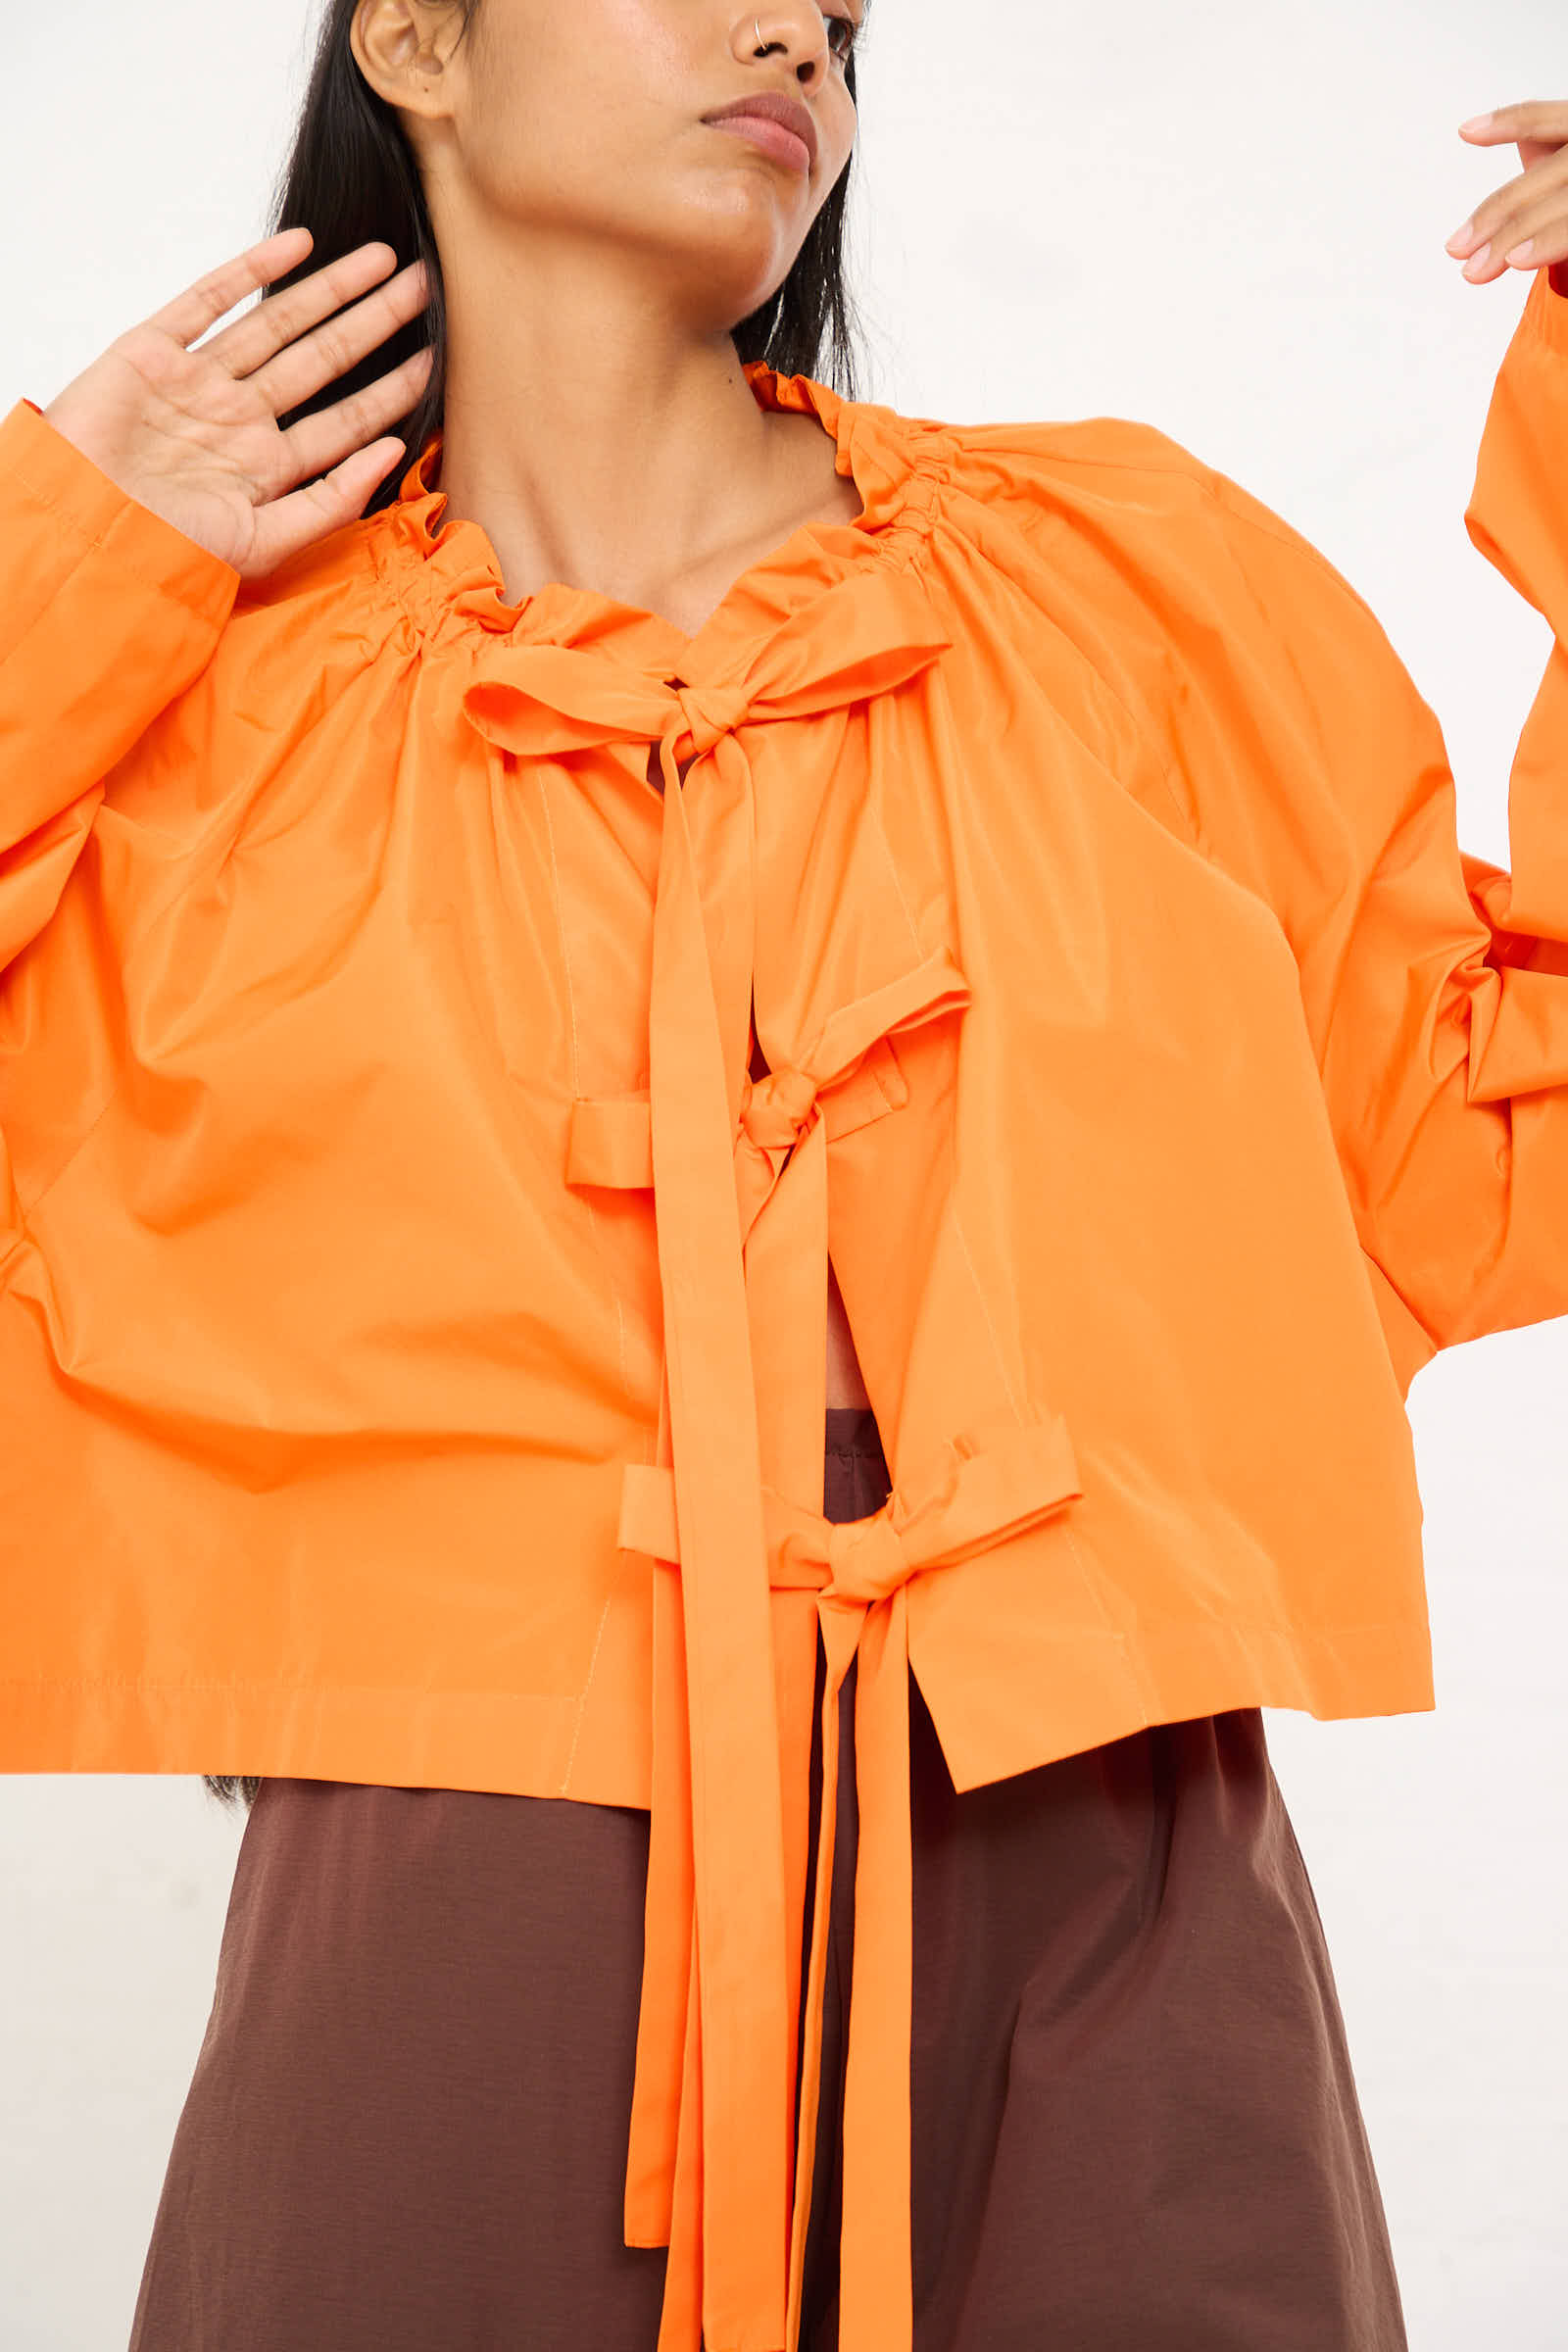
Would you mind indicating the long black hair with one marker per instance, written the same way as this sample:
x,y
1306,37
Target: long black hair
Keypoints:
x,y
350,178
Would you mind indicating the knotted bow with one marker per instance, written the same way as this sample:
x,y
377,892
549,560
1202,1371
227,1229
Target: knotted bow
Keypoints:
x,y
742,1564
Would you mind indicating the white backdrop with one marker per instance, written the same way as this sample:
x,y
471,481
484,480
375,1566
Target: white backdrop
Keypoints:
x,y
1226,217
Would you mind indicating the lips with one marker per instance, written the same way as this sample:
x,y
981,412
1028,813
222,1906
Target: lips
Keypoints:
x,y
771,106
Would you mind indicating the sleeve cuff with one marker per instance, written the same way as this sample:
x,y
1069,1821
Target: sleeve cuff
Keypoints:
x,y
85,501
1545,319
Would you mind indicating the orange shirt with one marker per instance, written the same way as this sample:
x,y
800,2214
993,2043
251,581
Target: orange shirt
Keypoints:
x,y
412,1316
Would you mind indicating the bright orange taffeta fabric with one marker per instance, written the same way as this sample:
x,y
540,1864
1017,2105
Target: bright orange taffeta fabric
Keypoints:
x,y
412,1315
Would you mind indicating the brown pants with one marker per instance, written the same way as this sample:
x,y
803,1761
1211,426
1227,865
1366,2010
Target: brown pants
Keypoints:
x,y
1135,2121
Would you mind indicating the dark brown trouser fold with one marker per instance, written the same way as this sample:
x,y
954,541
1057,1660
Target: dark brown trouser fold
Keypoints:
x,y
1135,2121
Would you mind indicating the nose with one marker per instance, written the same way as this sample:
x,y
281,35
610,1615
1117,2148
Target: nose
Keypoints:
x,y
799,30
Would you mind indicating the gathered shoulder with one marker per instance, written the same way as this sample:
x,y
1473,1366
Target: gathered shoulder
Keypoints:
x,y
1117,490
1020,462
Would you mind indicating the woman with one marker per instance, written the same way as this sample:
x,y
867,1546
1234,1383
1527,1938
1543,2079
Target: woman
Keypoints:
x,y
1002,855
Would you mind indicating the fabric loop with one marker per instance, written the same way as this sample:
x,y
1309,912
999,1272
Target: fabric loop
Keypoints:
x,y
983,1488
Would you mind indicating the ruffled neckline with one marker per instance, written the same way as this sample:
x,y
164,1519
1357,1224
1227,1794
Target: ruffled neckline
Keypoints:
x,y
447,576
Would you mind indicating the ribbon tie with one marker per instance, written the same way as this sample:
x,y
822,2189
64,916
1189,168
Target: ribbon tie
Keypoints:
x,y
745,1564
995,1478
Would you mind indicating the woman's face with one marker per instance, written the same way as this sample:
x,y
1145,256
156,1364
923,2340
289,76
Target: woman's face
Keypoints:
x,y
581,122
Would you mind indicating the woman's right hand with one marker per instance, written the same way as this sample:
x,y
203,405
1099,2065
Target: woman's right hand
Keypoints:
x,y
193,436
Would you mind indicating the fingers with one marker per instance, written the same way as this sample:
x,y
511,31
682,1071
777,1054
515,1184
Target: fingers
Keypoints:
x,y
249,349
291,524
319,441
275,321
1523,224
188,317
1544,119
314,359
1524,240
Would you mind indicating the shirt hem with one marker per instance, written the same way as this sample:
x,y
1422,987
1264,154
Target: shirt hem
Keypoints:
x,y
525,1745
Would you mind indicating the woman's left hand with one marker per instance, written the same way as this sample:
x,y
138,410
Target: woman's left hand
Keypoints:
x,y
1524,224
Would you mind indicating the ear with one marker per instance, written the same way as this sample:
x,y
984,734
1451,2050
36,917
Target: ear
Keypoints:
x,y
401,47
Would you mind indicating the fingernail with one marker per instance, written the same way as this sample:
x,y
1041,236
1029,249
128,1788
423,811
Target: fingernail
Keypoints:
x,y
1462,237
1520,253
1476,123
1476,261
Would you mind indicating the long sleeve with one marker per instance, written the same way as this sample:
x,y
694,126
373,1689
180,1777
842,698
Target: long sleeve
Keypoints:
x,y
1304,763
107,614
